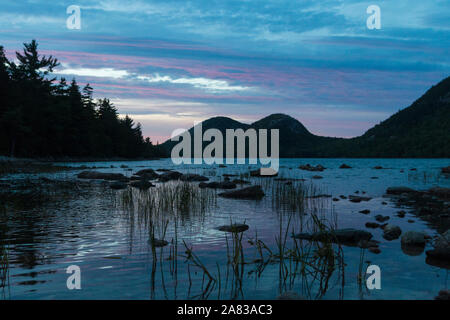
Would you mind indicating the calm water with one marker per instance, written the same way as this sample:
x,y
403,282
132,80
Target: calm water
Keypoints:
x,y
116,260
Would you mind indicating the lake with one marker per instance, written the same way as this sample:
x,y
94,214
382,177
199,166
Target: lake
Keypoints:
x,y
106,233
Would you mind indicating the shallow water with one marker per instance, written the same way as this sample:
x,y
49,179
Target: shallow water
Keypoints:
x,y
116,259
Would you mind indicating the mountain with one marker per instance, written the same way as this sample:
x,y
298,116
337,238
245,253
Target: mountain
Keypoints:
x,y
421,130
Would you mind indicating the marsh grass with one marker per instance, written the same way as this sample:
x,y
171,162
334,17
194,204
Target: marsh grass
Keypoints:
x,y
311,267
4,269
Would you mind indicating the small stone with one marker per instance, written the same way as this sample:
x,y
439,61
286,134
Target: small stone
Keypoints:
x,y
401,214
391,232
234,228
375,250
372,225
158,243
381,218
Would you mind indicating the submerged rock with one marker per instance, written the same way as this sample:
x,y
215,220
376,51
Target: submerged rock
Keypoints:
x,y
193,177
158,243
375,250
149,174
101,175
381,218
308,167
365,211
440,192
118,185
446,170
378,167
169,176
391,232
142,184
218,185
290,295
234,228
345,236
401,214
240,181
357,199
254,192
345,166
372,225
443,295
399,190
264,173
368,244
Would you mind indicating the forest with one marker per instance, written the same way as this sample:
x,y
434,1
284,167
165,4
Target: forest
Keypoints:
x,y
45,117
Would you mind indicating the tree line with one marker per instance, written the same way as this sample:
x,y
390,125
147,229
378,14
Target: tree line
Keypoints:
x,y
41,116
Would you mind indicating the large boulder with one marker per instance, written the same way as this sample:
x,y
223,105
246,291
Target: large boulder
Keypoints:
x,y
413,243
391,232
193,177
253,192
414,238
101,175
348,236
399,190
440,255
149,174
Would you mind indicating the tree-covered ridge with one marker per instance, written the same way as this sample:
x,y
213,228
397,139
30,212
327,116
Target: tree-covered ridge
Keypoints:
x,y
43,117
421,130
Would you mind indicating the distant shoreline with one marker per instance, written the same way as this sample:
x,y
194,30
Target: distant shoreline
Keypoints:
x,y
118,159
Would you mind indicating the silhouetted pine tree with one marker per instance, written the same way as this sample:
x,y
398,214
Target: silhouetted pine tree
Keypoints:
x,y
41,118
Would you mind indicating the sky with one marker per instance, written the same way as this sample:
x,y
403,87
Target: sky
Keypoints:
x,y
170,63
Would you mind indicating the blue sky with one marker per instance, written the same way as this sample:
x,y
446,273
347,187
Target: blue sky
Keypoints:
x,y
170,63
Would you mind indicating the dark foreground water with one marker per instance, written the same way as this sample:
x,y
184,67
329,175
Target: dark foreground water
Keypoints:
x,y
110,243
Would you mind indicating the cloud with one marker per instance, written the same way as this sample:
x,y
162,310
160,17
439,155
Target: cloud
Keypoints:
x,y
202,83
213,85
93,72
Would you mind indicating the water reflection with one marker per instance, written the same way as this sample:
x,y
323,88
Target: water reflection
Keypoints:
x,y
42,234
